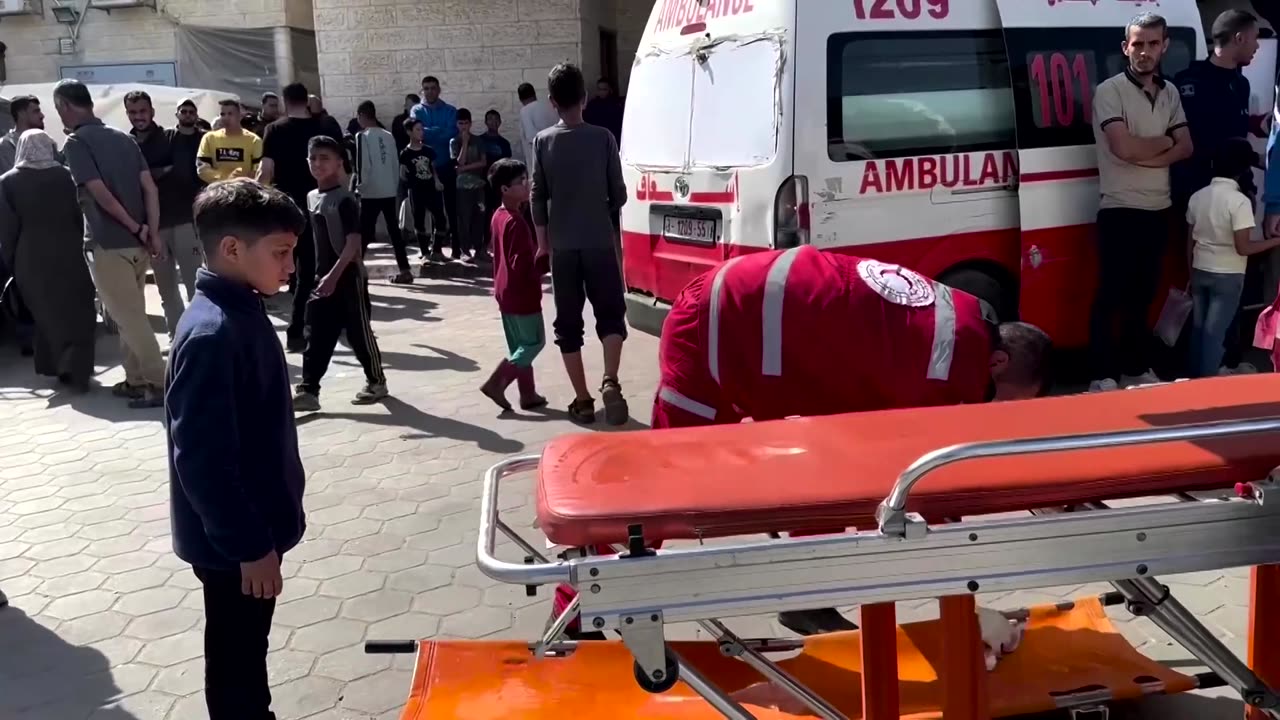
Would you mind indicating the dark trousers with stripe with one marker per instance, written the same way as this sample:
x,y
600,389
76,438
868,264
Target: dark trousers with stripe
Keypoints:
x,y
346,309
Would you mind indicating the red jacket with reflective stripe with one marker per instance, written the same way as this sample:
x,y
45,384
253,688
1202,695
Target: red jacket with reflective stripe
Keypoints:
x,y
816,338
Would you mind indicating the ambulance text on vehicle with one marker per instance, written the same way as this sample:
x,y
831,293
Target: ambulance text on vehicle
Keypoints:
x,y
951,136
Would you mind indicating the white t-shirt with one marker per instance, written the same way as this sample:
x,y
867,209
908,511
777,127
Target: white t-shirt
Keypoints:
x,y
1215,213
534,118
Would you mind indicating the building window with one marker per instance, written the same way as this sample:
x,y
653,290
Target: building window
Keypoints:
x,y
906,94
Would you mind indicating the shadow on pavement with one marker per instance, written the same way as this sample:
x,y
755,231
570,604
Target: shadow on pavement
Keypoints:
x,y
402,414
453,289
101,404
41,676
1186,705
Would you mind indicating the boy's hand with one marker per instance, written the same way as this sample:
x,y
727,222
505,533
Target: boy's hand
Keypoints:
x,y
261,578
237,173
327,285
439,186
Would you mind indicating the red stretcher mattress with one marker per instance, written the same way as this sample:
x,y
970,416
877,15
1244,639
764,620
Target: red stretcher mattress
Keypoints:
x,y
834,471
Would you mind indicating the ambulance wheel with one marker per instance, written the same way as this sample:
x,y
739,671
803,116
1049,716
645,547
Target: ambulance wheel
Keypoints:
x,y
984,286
658,685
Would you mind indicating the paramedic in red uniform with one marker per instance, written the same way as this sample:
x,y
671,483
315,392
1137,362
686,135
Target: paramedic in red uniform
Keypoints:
x,y
803,332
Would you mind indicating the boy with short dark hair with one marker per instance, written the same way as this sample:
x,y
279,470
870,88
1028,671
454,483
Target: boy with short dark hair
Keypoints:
x,y
341,300
235,476
468,151
576,192
425,192
517,286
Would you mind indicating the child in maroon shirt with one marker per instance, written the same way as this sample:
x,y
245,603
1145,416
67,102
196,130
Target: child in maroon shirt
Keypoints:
x,y
517,286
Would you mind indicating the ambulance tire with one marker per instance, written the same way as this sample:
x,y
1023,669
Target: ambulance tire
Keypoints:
x,y
985,287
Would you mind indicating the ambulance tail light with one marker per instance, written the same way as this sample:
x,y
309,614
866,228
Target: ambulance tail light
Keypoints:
x,y
791,213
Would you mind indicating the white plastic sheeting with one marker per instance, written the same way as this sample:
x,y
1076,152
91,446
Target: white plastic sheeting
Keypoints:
x,y
108,103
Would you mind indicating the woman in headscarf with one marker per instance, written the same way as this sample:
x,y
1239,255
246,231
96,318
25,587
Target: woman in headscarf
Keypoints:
x,y
42,238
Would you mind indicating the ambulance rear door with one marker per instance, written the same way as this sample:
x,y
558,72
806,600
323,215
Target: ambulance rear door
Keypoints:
x,y
1059,50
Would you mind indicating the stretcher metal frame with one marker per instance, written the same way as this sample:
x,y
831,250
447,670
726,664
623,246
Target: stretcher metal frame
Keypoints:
x,y
638,591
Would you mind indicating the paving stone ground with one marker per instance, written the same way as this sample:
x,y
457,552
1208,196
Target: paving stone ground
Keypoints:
x,y
105,622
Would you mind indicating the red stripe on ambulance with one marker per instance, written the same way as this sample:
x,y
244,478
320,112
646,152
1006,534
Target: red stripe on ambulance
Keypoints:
x,y
678,13
950,171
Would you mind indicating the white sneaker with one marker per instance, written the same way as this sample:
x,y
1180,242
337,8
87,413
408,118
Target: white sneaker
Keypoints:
x,y
1103,385
1245,368
1146,378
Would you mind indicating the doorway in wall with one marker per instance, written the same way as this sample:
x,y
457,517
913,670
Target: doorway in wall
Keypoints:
x,y
609,57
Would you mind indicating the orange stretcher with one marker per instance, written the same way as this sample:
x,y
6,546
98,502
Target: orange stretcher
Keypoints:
x,y
501,680
922,486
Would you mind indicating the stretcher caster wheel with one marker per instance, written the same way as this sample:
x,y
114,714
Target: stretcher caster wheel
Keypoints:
x,y
670,675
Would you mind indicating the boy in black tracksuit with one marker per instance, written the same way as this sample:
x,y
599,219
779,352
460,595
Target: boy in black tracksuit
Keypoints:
x,y
341,299
235,476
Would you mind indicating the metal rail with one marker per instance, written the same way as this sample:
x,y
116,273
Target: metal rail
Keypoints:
x,y
544,573
892,516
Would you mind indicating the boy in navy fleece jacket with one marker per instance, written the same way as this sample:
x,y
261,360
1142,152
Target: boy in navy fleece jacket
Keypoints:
x,y
235,475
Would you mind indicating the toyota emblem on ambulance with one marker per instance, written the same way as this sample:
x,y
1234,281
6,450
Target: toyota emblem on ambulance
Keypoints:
x,y
682,187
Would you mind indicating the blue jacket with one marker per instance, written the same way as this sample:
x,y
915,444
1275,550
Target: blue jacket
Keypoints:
x,y
439,126
1271,182
235,475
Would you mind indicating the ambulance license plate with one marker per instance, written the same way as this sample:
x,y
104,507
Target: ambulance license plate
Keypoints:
x,y
688,229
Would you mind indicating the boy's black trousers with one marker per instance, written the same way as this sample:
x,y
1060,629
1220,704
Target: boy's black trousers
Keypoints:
x,y
346,309
235,648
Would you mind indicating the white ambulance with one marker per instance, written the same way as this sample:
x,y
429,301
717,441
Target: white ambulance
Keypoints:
x,y
951,136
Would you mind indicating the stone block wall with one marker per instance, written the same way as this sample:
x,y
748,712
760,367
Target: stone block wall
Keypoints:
x,y
480,49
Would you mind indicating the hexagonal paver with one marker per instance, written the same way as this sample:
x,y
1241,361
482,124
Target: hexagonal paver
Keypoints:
x,y
139,579
396,560
181,679
72,584
455,556
141,706
376,694
286,665
476,623
352,529
57,549
446,601
329,635
312,550
391,510
306,611
173,649
352,584
421,578
59,567
377,606
145,602
411,525
375,544
164,623
350,663
305,696
92,628
330,567
126,562
110,529
81,604
409,626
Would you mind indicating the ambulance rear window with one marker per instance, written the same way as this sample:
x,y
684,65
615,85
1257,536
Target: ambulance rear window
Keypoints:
x,y
907,94
1055,71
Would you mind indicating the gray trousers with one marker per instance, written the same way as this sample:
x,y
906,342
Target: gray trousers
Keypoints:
x,y
183,256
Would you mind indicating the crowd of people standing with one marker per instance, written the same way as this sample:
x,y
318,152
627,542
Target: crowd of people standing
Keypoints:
x,y
427,179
